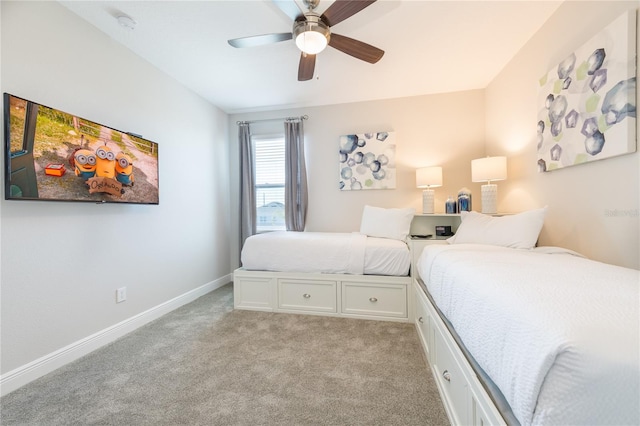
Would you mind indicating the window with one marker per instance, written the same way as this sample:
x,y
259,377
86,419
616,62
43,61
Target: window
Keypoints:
x,y
269,158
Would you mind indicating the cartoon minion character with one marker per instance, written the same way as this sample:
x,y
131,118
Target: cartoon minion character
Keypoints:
x,y
106,162
124,169
85,163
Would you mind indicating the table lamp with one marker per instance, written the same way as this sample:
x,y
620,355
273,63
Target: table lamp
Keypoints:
x,y
428,177
489,169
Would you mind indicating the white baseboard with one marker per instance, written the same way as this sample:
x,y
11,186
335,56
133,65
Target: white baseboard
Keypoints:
x,y
20,376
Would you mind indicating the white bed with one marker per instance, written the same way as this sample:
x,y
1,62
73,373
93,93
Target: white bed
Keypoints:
x,y
360,274
326,252
558,334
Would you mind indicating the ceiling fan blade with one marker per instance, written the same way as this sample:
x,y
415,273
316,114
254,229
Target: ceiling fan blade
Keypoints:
x,y
290,8
259,40
343,9
306,66
356,48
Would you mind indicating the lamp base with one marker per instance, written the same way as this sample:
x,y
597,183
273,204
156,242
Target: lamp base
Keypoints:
x,y
428,201
490,198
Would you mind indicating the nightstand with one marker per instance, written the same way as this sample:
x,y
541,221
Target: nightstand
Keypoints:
x,y
424,224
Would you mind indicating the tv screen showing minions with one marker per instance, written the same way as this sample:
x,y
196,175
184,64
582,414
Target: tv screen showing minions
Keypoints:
x,y
53,155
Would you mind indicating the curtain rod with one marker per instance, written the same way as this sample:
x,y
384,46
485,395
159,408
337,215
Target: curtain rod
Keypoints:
x,y
302,117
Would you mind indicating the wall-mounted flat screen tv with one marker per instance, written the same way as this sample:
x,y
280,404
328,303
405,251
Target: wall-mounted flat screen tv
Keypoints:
x,y
56,156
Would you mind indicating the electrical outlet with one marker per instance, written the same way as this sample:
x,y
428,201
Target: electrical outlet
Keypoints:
x,y
121,294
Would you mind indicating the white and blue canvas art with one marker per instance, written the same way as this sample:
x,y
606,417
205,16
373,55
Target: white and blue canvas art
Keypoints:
x,y
587,104
367,161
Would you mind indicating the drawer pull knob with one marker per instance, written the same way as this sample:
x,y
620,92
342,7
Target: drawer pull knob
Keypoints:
x,y
446,375
373,299
306,295
421,320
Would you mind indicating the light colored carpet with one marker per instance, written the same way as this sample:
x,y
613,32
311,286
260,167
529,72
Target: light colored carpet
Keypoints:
x,y
206,364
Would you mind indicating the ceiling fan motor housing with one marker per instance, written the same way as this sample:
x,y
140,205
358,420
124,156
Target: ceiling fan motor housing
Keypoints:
x,y
311,4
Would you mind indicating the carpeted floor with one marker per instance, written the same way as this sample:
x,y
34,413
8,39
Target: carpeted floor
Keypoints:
x,y
206,364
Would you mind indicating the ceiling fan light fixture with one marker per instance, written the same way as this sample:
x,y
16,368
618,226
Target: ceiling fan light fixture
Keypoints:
x,y
312,33
311,37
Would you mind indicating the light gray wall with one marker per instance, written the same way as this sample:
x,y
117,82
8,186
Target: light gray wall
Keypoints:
x,y
436,130
62,262
579,197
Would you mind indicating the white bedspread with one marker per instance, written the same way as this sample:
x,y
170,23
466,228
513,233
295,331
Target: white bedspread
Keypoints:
x,y
325,252
557,333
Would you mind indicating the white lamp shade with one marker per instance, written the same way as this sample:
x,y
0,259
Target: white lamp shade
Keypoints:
x,y
311,42
488,169
429,177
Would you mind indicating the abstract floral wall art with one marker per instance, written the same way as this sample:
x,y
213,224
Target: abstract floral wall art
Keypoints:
x,y
587,104
367,161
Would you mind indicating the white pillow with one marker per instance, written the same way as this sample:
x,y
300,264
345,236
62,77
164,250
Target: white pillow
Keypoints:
x,y
386,223
517,231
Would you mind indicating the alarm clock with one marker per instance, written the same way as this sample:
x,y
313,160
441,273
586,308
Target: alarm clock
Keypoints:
x,y
443,231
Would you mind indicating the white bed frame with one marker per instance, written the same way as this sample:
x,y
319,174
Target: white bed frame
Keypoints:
x,y
464,398
372,297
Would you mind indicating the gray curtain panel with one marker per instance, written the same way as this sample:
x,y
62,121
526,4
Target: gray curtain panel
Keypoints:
x,y
295,184
248,213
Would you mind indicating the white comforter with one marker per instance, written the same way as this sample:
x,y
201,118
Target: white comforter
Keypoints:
x,y
557,333
325,252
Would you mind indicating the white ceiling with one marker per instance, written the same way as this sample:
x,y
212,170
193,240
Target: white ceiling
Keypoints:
x,y
430,47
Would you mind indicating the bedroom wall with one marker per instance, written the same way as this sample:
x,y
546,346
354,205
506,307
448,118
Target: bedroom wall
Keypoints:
x,y
62,262
443,129
580,198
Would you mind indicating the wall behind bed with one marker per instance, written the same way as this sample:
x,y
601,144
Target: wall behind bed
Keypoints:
x,y
594,207
442,129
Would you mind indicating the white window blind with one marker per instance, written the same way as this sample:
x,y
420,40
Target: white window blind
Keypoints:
x,y
269,158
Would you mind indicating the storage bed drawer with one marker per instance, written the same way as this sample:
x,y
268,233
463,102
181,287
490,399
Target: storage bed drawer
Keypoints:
x,y
388,300
299,295
423,323
450,378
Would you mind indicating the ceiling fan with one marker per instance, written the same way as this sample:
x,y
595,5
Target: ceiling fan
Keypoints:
x,y
312,33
